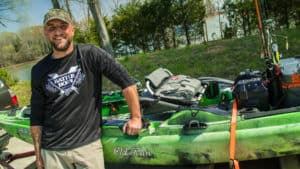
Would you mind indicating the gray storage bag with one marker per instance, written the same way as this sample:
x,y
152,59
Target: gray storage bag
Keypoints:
x,y
179,89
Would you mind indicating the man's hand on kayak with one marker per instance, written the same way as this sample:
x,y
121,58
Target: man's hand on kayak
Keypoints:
x,y
133,126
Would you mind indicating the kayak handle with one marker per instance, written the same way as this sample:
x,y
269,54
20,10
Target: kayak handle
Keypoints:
x,y
194,125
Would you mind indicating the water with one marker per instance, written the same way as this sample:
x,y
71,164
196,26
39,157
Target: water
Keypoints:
x,y
22,72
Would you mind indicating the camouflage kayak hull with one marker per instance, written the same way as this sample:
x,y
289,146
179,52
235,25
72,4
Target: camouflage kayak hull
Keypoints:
x,y
190,137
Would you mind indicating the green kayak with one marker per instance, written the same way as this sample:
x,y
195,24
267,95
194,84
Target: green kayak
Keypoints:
x,y
189,137
189,132
113,103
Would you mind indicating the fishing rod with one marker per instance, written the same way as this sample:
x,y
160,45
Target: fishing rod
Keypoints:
x,y
270,46
262,31
272,59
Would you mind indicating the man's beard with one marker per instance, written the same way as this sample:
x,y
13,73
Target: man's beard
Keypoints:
x,y
63,48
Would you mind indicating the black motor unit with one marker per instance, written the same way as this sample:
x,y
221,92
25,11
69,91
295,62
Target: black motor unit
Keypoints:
x,y
250,91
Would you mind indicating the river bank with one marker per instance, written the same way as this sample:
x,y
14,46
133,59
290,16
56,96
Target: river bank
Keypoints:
x,y
22,73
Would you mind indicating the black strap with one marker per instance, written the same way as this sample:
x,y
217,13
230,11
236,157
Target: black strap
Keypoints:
x,y
79,57
99,95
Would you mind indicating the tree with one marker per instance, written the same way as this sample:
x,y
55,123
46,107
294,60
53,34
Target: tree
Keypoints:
x,y
33,42
55,4
127,29
68,8
150,25
241,15
296,14
8,7
248,16
86,34
101,27
23,46
158,23
187,13
7,49
284,13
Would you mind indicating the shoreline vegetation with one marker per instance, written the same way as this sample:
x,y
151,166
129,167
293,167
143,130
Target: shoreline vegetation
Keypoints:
x,y
220,58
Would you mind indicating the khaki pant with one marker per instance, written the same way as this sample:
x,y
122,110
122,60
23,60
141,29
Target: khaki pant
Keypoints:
x,y
85,157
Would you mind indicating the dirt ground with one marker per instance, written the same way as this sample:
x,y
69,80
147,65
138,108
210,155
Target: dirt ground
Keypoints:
x,y
17,146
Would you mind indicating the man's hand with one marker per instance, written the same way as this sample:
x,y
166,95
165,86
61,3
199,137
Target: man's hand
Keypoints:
x,y
39,163
133,126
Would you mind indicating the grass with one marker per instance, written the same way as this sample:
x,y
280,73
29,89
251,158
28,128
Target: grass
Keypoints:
x,y
222,58
23,92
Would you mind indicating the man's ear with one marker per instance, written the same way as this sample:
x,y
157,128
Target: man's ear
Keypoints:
x,y
73,30
45,31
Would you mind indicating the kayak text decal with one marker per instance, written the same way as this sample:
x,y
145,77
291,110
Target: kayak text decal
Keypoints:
x,y
24,131
133,152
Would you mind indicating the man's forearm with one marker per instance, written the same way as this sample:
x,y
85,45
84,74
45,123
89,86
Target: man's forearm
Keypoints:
x,y
36,133
134,125
131,95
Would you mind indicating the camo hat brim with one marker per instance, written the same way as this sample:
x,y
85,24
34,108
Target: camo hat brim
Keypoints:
x,y
59,14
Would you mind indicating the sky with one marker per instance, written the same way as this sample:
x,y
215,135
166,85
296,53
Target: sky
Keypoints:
x,y
33,12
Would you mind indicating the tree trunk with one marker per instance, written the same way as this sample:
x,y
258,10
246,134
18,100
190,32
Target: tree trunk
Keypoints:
x,y
68,8
167,36
249,23
174,37
286,15
244,25
100,25
55,4
298,18
187,34
156,41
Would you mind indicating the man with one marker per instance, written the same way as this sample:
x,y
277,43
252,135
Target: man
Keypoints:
x,y
65,102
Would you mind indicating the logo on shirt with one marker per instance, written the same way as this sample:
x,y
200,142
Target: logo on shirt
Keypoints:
x,y
65,83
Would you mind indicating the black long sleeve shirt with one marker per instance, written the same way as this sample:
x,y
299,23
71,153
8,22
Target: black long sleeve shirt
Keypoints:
x,y
66,95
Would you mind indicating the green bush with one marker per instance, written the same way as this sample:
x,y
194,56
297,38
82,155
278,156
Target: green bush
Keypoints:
x,y
7,77
23,92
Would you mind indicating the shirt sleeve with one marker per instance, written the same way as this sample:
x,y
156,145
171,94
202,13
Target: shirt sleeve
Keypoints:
x,y
112,69
37,100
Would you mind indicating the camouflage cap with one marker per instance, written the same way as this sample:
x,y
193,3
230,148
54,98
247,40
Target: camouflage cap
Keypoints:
x,y
59,14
